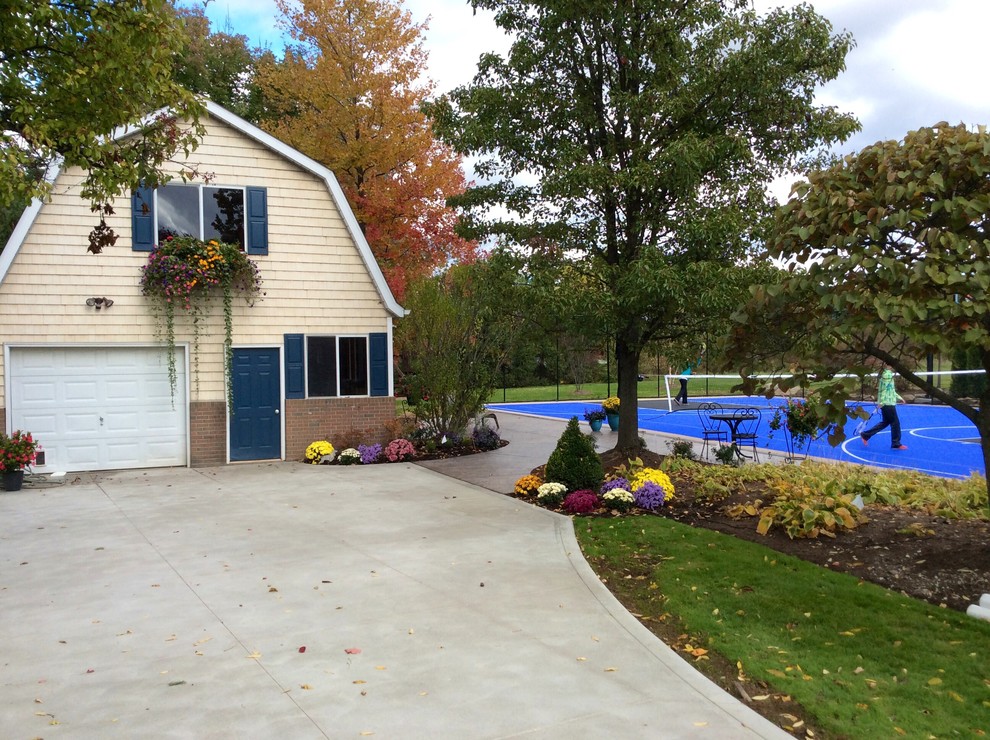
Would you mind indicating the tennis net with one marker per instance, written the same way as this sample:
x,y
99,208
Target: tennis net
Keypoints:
x,y
720,388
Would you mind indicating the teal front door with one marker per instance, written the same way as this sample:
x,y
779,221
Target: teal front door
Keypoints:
x,y
255,424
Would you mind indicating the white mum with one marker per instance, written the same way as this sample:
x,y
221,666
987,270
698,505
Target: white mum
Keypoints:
x,y
551,489
349,456
619,494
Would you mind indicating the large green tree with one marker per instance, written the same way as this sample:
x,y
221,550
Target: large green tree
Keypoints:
x,y
639,137
73,71
221,65
888,255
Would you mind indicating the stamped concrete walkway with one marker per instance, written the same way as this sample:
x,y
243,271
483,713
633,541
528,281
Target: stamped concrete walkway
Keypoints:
x,y
293,601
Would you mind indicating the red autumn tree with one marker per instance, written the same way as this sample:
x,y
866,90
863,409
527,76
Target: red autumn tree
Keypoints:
x,y
348,93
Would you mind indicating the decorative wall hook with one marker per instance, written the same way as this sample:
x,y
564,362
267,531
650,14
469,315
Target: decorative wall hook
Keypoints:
x,y
99,303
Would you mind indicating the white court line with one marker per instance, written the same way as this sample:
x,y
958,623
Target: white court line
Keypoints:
x,y
880,464
914,433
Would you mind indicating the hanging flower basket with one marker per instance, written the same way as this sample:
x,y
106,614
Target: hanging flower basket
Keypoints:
x,y
185,274
801,423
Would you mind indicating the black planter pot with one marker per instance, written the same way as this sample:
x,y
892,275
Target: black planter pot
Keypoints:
x,y
12,481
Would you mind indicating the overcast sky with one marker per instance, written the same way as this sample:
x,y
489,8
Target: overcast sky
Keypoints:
x,y
916,62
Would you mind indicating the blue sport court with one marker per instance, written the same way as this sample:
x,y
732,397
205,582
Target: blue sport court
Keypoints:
x,y
940,440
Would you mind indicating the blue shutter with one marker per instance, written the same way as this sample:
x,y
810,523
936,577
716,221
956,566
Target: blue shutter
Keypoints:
x,y
295,367
257,221
143,220
378,350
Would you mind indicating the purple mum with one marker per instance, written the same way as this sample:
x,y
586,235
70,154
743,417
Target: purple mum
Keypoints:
x,y
650,496
610,485
370,453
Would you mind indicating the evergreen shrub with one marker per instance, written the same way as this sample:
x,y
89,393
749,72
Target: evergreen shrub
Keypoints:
x,y
574,462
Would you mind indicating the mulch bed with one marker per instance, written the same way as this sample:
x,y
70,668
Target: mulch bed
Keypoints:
x,y
939,560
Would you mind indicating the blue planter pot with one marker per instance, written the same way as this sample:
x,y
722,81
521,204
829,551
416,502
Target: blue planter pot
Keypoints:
x,y
613,422
596,425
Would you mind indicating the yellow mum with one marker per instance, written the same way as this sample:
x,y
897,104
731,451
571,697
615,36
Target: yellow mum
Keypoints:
x,y
654,476
527,485
316,451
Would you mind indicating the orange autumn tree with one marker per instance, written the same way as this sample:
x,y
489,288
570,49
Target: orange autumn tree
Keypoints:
x,y
348,93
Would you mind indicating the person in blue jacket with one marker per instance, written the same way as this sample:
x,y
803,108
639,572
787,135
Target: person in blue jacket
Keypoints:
x,y
682,396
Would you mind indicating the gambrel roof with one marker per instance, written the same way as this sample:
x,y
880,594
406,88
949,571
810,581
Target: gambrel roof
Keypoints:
x,y
293,155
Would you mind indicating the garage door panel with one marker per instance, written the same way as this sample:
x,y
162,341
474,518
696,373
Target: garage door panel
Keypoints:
x,y
99,408
76,456
123,390
124,454
161,451
74,391
129,422
39,392
159,423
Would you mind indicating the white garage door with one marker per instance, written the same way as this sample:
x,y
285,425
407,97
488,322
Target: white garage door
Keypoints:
x,y
99,408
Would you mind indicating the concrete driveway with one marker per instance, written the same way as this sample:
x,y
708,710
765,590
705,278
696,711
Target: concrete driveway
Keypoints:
x,y
294,601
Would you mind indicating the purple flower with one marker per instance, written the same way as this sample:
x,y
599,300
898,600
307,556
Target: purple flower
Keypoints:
x,y
370,453
650,496
612,484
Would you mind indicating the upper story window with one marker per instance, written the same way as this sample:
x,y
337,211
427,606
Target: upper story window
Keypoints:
x,y
236,215
203,212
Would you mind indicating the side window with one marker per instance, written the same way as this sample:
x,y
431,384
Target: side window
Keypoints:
x,y
353,366
321,366
336,366
201,211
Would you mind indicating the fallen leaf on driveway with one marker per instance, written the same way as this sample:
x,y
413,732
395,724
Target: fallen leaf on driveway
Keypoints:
x,y
352,651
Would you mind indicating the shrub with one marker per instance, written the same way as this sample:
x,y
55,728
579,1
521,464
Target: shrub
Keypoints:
x,y
650,496
350,456
486,438
370,453
681,448
581,502
728,455
399,449
527,485
318,451
618,499
574,461
551,494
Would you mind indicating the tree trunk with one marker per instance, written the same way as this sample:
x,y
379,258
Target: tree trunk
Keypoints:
x,y
983,427
627,359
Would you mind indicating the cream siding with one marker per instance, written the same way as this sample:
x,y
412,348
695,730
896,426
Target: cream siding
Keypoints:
x,y
314,279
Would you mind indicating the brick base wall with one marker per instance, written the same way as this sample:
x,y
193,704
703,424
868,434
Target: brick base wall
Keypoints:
x,y
207,433
335,419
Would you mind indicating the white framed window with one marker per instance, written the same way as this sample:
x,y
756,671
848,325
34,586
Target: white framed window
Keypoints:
x,y
336,366
202,211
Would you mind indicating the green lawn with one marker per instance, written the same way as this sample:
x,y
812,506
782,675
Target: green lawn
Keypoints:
x,y
864,661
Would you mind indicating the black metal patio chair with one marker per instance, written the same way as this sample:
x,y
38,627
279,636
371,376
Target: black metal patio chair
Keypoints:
x,y
711,429
747,425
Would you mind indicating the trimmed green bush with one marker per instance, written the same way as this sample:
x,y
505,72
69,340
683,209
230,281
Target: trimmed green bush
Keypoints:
x,y
574,462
